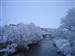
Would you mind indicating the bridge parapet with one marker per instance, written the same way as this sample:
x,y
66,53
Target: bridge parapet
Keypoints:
x,y
47,36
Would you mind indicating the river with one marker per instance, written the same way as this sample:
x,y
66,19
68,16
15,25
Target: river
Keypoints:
x,y
43,48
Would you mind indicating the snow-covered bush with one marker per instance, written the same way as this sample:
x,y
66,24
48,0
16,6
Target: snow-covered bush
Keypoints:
x,y
63,46
30,32
23,34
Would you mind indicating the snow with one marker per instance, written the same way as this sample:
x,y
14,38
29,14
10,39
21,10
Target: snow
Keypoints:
x,y
20,35
63,45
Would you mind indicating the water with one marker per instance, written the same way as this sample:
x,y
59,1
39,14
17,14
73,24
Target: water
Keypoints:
x,y
44,48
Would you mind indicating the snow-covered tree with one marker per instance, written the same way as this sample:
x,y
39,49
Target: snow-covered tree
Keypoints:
x,y
68,22
23,34
66,32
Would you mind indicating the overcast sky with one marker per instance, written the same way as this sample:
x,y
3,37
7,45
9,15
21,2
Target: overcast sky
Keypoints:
x,y
43,13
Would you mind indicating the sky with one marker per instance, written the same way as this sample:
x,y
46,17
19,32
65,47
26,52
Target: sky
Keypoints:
x,y
43,13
